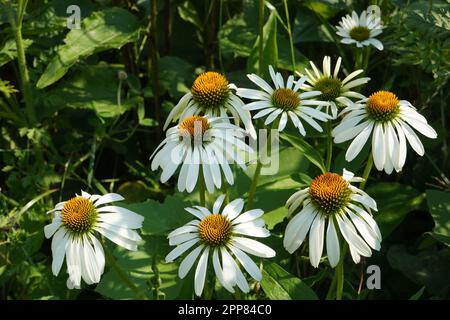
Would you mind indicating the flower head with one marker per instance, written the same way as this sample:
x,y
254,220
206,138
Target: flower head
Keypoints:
x,y
331,203
74,228
211,95
360,30
284,101
200,145
335,90
390,122
223,236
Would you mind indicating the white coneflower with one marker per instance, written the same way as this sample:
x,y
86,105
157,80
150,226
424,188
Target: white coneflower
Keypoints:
x,y
328,207
212,95
74,229
223,236
389,121
334,90
360,30
201,146
284,101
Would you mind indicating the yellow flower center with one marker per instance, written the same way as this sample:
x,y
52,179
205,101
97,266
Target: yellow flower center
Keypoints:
x,y
214,230
382,106
330,88
194,126
360,33
79,215
210,90
329,192
285,99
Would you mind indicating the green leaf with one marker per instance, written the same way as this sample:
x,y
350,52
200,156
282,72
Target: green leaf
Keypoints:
x,y
270,48
137,265
188,13
307,150
418,294
428,267
236,37
161,218
278,284
94,87
9,52
176,75
103,30
439,205
394,201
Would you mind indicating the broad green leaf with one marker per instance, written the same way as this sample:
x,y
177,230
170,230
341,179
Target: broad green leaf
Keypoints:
x,y
236,37
176,75
394,201
94,87
161,218
278,284
187,12
428,267
439,205
137,265
103,30
307,150
270,48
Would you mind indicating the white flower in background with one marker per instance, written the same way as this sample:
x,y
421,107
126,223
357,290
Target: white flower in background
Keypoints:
x,y
202,146
331,205
390,122
221,235
74,229
284,101
361,30
211,95
334,89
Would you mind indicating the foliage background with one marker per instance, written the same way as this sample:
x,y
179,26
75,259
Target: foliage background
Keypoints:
x,y
83,126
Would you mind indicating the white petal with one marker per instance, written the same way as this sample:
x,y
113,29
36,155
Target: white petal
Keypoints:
x,y
179,250
358,143
248,216
247,263
333,250
233,209
352,238
109,197
316,240
200,272
50,229
218,203
253,247
219,272
188,261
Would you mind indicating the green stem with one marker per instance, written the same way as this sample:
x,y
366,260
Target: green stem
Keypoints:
x,y
122,275
202,191
251,193
291,41
154,56
366,59
340,273
23,70
261,35
329,146
367,170
332,288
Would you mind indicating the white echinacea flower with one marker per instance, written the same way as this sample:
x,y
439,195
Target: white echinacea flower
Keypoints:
x,y
335,91
211,95
390,122
223,237
328,207
361,30
202,146
74,229
284,101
